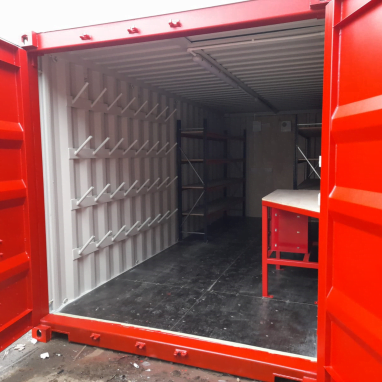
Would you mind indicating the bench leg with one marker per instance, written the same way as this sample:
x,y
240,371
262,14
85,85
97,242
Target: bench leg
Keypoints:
x,y
265,251
278,267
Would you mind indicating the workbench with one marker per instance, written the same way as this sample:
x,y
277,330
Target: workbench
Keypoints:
x,y
285,215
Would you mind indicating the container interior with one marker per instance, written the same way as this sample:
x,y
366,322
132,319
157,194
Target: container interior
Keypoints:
x,y
110,147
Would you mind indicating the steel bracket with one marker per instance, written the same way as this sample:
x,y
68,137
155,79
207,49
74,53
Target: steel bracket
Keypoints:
x,y
95,336
42,333
85,37
174,23
29,40
182,353
133,30
140,345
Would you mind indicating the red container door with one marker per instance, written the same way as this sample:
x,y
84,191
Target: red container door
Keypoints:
x,y
350,308
23,273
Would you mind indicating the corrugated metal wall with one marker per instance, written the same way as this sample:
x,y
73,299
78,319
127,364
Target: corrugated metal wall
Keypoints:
x,y
74,267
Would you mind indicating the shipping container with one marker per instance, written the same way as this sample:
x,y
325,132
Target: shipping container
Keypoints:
x,y
134,157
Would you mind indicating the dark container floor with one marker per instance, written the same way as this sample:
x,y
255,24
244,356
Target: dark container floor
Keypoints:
x,y
214,290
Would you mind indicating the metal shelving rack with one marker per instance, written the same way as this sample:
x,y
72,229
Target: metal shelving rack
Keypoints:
x,y
208,208
307,131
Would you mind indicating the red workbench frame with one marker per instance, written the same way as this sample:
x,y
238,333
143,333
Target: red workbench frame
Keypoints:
x,y
257,363
266,251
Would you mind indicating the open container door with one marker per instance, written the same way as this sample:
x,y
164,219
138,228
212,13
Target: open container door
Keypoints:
x,y
350,314
23,274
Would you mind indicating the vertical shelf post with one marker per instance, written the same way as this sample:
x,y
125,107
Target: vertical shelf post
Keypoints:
x,y
225,176
179,171
308,155
295,167
244,169
205,179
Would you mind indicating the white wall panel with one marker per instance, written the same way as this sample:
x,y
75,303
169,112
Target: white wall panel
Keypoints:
x,y
66,126
270,155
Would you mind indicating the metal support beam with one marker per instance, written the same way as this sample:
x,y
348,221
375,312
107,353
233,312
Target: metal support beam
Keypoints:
x,y
207,20
205,179
246,361
179,172
244,171
214,67
295,164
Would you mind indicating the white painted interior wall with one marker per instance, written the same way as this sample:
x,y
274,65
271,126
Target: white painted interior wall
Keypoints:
x,y
270,153
66,125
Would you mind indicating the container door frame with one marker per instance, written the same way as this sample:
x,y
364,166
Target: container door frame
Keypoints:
x,y
256,363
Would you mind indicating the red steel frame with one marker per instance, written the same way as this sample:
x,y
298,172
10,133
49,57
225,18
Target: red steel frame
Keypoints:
x,y
175,347
208,20
275,208
255,363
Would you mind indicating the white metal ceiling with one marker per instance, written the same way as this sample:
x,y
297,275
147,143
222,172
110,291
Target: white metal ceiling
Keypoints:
x,y
282,63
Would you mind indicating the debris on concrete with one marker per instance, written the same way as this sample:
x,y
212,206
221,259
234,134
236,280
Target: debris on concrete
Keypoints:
x,y
145,364
136,365
34,341
44,355
78,354
176,373
19,347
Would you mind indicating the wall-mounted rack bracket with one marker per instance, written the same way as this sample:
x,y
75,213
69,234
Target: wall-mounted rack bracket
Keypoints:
x,y
109,238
